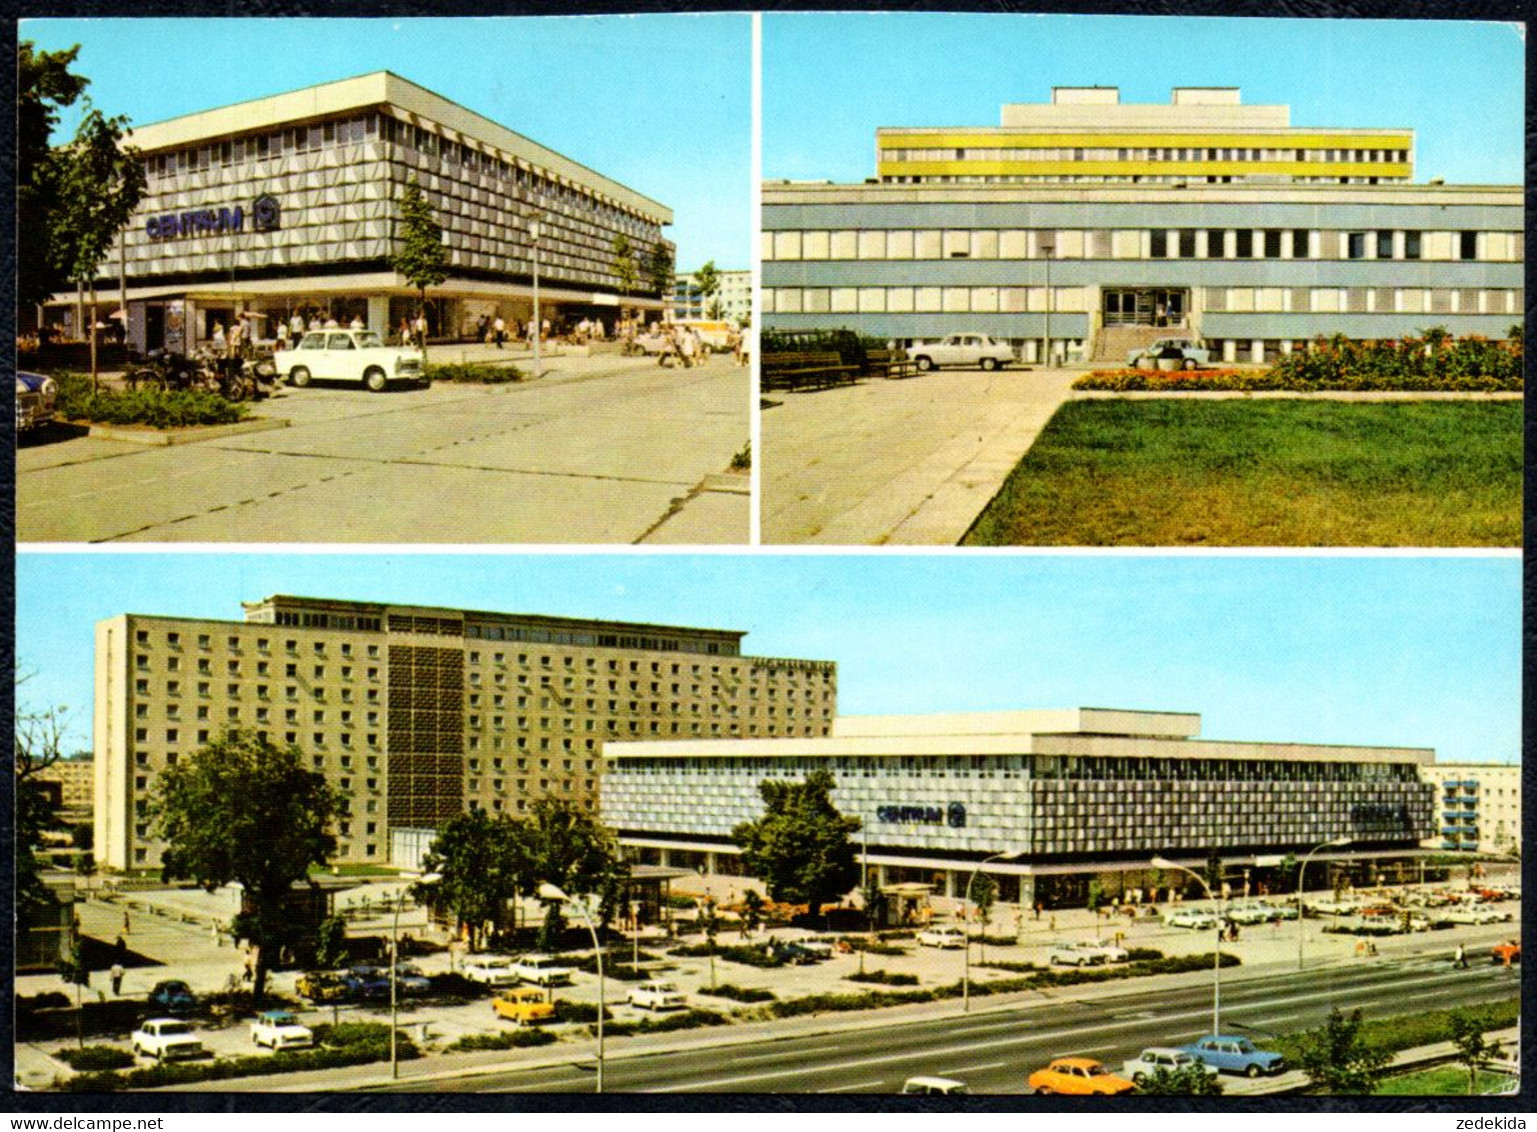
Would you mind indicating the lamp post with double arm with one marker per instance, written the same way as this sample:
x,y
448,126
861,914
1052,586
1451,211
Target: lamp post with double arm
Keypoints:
x,y
400,900
1216,966
1007,855
548,891
1301,871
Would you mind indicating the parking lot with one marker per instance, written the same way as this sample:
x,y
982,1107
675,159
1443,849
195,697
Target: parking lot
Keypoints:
x,y
601,449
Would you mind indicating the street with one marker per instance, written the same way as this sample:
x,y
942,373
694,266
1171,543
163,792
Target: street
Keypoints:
x,y
600,450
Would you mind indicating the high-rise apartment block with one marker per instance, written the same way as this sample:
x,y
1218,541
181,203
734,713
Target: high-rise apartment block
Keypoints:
x,y
418,713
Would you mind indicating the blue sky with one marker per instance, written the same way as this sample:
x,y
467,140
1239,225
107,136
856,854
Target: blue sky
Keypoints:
x,y
829,80
660,103
1396,650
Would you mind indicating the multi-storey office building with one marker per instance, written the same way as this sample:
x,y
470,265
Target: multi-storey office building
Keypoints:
x,y
1079,794
76,779
734,297
1197,220
416,714
292,202
1479,806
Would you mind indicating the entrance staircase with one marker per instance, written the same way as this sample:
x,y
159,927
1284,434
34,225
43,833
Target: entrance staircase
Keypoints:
x,y
1113,343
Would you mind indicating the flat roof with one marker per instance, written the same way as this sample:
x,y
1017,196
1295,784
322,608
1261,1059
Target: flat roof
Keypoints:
x,y
1093,192
383,88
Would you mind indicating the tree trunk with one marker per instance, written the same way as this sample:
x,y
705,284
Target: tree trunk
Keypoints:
x,y
93,337
421,310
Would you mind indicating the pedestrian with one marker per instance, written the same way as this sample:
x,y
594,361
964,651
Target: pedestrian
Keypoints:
x,y
296,326
356,323
117,978
1459,959
219,342
1037,909
499,330
1053,924
126,929
236,337
249,972
421,328
282,335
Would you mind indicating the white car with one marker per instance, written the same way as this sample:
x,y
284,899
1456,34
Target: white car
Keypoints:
x,y
542,970
1197,918
279,1029
166,1039
947,936
657,996
1475,914
490,970
1142,1067
1336,906
962,350
1085,953
358,356
1190,354
934,1087
1253,913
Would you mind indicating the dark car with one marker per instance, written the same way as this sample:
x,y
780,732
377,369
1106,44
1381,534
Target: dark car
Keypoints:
x,y
794,953
367,982
36,395
172,996
321,986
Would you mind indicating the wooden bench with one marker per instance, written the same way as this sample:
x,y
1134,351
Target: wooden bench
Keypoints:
x,y
814,370
889,363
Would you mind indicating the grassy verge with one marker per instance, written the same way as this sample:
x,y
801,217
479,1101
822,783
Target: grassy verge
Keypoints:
x,y
1443,1081
1265,473
1406,1031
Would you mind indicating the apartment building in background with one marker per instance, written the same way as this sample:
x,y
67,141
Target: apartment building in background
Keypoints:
x,y
734,298
1479,806
418,713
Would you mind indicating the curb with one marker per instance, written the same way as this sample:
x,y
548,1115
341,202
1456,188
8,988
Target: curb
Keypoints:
x,y
168,437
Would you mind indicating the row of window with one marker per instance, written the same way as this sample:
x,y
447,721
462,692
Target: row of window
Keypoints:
x,y
1011,300
1256,178
1145,153
1135,243
1109,773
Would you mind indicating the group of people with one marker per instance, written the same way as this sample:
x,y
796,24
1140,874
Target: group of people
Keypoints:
x,y
231,343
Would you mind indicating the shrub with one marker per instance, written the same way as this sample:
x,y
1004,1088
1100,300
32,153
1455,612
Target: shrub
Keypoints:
x,y
1406,1031
751,956
359,1051
507,1039
147,405
742,460
580,1012
621,972
683,1020
889,978
95,1057
1141,953
473,373
739,994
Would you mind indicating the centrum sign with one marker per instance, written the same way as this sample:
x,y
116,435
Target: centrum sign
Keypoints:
x,y
264,215
953,815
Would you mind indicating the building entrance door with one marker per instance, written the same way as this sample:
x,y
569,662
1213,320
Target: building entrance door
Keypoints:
x,y
1144,306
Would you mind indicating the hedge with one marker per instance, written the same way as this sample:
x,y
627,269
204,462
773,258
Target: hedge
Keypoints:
x,y
507,1039
473,373
889,978
147,405
685,1020
739,994
93,1058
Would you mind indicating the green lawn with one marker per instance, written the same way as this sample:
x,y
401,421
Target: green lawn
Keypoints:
x,y
1443,1081
1265,473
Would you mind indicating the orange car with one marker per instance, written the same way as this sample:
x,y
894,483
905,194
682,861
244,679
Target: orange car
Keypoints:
x,y
1078,1077
1507,953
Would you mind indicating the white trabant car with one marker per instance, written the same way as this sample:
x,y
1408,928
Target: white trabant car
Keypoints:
x,y
1140,1069
542,970
1085,953
657,995
943,937
1188,353
166,1039
280,1029
1197,918
970,350
358,356
490,970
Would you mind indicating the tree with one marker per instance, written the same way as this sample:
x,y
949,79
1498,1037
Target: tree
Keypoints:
x,y
331,947
481,860
567,847
752,910
245,810
707,279
625,266
710,922
45,85
38,745
660,268
1338,1060
420,255
99,183
1286,873
1473,1049
1095,901
802,847
1191,1081
984,893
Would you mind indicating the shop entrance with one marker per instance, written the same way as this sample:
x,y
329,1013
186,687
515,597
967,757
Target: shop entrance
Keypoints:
x,y
1144,306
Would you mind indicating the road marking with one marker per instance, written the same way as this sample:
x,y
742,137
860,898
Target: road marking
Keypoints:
x,y
851,1088
976,1068
786,1053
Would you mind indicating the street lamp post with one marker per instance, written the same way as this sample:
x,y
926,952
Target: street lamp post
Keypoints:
x,y
1047,242
400,900
548,891
1007,855
1301,871
534,233
1216,967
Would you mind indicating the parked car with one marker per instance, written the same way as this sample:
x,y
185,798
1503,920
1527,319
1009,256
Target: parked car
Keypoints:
x,y
1507,952
795,953
946,936
1167,1058
1236,1055
367,982
657,995
166,1039
544,970
818,947
522,1005
1189,353
321,986
1280,910
1197,918
1252,913
410,980
1085,953
280,1029
358,356
1335,906
36,397
1078,1077
172,996
962,350
491,970
1475,914
933,1087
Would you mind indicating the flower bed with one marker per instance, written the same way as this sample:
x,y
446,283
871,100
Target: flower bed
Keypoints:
x,y
147,405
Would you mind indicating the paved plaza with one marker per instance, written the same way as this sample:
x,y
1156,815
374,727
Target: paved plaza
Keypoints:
x,y
599,450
